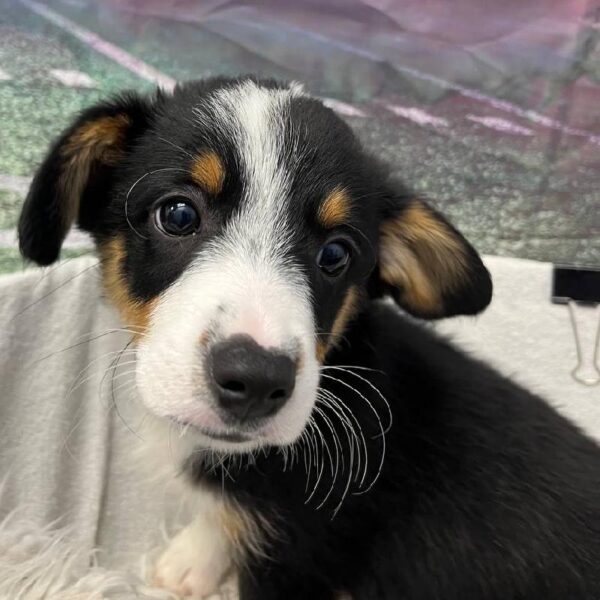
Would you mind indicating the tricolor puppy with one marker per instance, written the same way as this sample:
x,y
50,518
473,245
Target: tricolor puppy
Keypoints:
x,y
340,449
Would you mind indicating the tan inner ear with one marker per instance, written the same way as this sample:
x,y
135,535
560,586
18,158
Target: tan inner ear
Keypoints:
x,y
421,257
135,313
101,140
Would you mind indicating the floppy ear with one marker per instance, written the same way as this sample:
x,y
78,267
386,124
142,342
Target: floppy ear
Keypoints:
x,y
427,265
73,180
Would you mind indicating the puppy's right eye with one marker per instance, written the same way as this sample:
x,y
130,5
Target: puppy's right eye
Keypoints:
x,y
177,217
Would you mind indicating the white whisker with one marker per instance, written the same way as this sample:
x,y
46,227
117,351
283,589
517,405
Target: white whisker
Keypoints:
x,y
373,387
337,453
383,443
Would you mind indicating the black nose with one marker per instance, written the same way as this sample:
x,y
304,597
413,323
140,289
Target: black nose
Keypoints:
x,y
250,381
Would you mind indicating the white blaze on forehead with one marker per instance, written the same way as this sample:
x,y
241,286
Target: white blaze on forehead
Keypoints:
x,y
253,119
253,249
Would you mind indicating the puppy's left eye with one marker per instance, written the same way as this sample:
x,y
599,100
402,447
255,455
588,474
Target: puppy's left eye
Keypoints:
x,y
333,258
177,217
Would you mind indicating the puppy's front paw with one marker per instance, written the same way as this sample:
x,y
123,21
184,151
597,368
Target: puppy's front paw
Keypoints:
x,y
193,565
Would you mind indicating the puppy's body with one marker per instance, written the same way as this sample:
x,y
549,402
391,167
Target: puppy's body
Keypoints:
x,y
485,491
247,239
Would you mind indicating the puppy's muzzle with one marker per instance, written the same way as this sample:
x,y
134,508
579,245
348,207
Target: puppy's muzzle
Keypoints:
x,y
250,382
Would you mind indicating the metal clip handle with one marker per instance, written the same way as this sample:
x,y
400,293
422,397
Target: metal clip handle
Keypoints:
x,y
575,373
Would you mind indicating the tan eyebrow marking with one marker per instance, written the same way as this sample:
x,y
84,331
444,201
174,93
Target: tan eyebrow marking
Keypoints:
x,y
335,208
208,172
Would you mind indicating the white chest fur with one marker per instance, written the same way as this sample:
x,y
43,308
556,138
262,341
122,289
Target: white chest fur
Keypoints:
x,y
199,557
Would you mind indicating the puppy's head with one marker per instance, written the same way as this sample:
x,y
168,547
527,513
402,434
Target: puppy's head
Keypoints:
x,y
241,228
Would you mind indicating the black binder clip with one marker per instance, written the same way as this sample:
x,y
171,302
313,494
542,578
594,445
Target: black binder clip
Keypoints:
x,y
579,286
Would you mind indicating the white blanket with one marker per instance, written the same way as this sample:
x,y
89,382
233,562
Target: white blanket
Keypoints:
x,y
79,516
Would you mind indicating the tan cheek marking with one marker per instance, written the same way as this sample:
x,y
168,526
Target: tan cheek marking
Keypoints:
x,y
421,256
335,209
348,309
208,172
321,350
135,313
101,140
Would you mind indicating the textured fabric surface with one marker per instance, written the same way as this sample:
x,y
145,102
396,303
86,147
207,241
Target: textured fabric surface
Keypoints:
x,y
70,427
67,452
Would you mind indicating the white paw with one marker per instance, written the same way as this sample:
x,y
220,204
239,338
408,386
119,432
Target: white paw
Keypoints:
x,y
193,565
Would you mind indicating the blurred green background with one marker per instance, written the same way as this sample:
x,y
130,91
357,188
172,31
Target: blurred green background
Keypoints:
x,y
491,110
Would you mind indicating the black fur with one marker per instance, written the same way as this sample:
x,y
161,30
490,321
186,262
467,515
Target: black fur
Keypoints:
x,y
486,492
483,492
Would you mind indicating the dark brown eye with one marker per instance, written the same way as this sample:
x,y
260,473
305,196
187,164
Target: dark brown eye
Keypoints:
x,y
177,217
333,258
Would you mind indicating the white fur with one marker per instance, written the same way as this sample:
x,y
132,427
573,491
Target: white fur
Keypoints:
x,y
239,283
198,558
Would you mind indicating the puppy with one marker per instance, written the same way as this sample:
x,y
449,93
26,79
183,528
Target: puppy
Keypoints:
x,y
338,447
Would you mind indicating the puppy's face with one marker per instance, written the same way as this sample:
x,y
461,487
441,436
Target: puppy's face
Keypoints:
x,y
243,240
241,228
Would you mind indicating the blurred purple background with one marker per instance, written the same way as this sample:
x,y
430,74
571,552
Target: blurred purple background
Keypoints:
x,y
492,109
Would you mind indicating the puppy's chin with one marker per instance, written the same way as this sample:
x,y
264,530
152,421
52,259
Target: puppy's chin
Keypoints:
x,y
226,441
173,441
192,439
